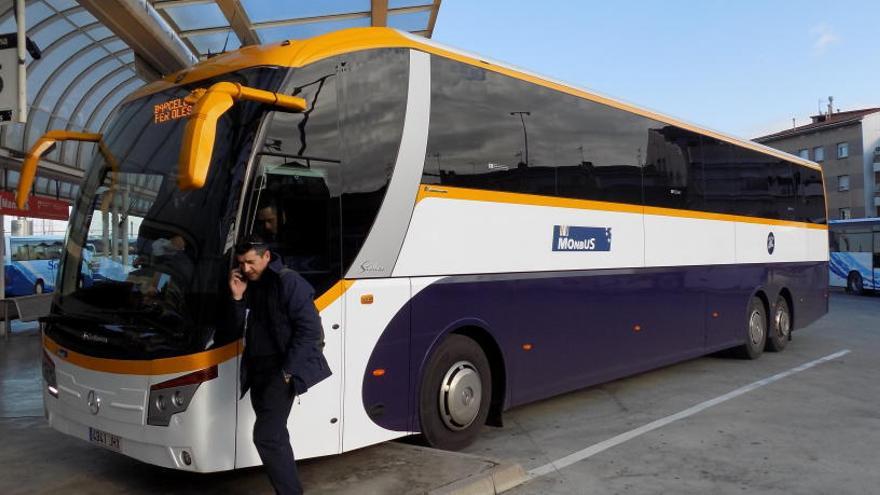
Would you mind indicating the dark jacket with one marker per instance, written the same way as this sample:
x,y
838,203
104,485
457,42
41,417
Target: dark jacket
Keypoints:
x,y
296,325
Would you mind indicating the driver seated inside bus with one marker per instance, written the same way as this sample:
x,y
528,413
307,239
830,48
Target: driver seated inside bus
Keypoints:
x,y
272,225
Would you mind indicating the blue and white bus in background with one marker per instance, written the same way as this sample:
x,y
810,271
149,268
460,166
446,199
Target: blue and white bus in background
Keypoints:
x,y
855,254
32,263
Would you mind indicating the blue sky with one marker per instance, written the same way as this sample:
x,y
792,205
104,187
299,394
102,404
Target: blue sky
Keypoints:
x,y
744,67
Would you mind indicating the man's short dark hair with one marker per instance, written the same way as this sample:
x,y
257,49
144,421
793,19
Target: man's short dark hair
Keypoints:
x,y
253,242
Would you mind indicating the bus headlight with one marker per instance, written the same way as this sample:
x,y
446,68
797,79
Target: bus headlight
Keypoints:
x,y
173,396
49,374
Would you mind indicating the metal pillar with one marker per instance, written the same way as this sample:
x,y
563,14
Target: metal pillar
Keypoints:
x,y
114,228
21,39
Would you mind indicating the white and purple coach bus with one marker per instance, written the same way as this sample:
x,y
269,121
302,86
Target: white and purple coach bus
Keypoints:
x,y
478,237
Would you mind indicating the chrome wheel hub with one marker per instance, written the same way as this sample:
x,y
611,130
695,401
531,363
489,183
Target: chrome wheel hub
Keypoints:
x,y
783,323
461,393
756,328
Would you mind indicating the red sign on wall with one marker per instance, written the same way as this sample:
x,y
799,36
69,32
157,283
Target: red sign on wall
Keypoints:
x,y
36,207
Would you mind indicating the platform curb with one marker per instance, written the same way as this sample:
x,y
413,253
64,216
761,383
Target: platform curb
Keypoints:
x,y
498,479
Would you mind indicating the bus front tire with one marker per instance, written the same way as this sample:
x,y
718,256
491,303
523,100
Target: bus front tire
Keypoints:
x,y
855,284
455,393
38,287
779,332
756,331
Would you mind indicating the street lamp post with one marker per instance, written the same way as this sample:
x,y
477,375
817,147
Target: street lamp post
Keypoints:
x,y
525,133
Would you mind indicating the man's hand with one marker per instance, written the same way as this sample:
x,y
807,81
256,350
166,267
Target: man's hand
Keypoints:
x,y
237,284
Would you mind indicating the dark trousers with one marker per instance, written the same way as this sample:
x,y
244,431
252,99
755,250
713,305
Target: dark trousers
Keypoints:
x,y
272,400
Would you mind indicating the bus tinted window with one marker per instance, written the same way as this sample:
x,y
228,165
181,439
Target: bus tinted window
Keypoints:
x,y
490,131
853,242
670,179
721,185
810,195
753,183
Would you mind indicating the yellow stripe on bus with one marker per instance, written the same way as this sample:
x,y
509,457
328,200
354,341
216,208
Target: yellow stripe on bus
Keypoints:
x,y
149,367
433,191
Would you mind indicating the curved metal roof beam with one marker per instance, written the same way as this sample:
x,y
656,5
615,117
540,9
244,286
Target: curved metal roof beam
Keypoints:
x,y
79,77
114,92
98,85
49,80
122,93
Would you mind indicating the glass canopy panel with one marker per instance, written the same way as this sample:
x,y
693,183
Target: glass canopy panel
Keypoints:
x,y
88,80
62,4
51,32
78,63
100,33
262,11
197,16
412,21
303,31
36,13
397,4
39,70
81,18
214,42
110,105
7,25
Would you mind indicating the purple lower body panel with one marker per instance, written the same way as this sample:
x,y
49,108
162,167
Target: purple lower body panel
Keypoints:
x,y
581,328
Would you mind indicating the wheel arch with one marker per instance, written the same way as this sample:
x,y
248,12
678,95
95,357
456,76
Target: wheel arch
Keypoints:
x,y
479,331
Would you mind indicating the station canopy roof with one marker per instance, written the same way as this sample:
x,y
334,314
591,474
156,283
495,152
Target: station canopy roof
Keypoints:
x,y
94,53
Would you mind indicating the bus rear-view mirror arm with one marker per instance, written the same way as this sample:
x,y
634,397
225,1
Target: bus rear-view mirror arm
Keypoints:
x,y
201,128
42,146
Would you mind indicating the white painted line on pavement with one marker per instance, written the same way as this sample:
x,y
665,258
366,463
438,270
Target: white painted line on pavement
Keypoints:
x,y
629,435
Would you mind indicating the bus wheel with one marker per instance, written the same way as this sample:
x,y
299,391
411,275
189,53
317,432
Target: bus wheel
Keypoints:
x,y
455,393
780,326
855,284
756,331
38,287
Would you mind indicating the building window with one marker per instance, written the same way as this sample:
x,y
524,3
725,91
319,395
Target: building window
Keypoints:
x,y
804,153
845,214
819,153
842,150
843,183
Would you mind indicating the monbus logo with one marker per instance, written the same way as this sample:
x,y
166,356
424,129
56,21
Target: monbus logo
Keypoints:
x,y
568,238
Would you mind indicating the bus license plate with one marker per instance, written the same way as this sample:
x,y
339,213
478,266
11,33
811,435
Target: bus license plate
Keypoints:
x,y
104,439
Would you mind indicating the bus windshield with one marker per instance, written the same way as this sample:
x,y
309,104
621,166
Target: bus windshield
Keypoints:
x,y
155,255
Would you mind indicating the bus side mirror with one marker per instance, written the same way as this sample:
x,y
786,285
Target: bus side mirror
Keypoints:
x,y
41,147
209,105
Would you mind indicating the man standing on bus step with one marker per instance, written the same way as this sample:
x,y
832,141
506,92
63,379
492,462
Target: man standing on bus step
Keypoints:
x,y
282,357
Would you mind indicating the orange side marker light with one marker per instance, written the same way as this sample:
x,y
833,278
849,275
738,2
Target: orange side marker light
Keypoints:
x,y
378,372
527,347
715,314
367,299
637,328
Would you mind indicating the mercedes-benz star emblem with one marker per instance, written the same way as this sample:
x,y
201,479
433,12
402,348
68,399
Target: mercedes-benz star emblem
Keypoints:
x,y
771,243
94,402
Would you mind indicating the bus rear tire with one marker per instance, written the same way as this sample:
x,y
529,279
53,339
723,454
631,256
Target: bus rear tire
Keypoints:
x,y
756,331
855,284
779,332
455,393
